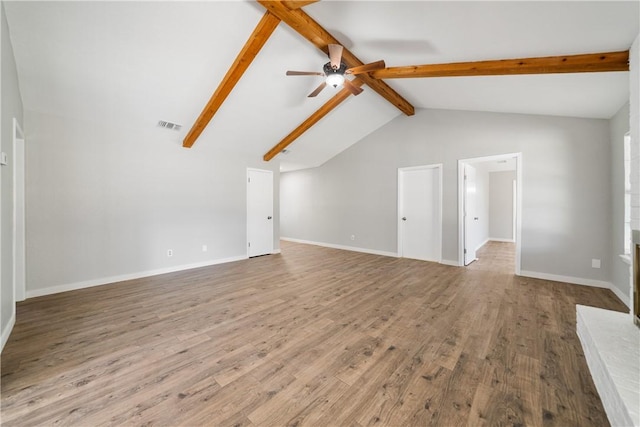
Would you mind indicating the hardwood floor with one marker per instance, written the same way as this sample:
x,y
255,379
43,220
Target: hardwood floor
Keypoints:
x,y
495,256
314,336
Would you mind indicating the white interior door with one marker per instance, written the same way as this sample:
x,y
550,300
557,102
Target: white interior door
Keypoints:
x,y
470,214
420,223
259,212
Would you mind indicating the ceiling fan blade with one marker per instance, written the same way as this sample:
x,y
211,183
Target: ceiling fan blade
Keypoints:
x,y
355,90
366,68
335,55
318,90
304,73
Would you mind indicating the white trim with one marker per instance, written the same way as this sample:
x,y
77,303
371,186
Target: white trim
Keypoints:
x,y
578,281
514,208
438,167
626,258
132,276
275,251
460,213
345,248
518,237
19,289
566,279
354,249
17,129
626,300
498,239
6,332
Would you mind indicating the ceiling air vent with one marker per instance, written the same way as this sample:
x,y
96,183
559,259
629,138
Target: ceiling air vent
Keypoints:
x,y
169,125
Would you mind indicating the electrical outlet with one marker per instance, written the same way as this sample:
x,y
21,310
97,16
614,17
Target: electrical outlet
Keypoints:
x,y
169,252
204,248
353,237
595,263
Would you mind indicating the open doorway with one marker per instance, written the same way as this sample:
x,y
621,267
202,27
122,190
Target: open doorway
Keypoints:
x,y
489,218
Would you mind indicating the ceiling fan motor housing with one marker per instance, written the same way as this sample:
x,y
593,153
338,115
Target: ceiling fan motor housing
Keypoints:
x,y
329,70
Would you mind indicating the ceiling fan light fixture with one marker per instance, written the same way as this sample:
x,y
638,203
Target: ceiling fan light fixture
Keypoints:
x,y
335,80
335,76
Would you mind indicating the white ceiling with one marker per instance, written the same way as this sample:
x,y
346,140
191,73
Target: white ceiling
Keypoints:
x,y
135,63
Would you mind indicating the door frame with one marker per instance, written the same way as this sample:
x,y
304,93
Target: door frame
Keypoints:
x,y
438,167
19,257
270,172
466,168
518,236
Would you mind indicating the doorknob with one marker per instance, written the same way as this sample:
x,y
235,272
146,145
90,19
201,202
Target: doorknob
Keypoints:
x,y
475,218
268,217
404,218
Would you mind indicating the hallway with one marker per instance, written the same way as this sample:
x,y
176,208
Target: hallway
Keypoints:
x,y
493,256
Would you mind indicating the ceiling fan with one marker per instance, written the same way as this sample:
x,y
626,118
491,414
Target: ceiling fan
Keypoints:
x,y
335,71
290,13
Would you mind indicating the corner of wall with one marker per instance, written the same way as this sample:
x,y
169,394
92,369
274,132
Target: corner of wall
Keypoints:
x,y
6,331
10,107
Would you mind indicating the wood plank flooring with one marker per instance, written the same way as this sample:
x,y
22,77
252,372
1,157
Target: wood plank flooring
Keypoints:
x,y
314,336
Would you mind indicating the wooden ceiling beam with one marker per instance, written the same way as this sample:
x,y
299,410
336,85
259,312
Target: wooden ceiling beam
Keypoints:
x,y
586,63
256,41
312,120
304,25
297,4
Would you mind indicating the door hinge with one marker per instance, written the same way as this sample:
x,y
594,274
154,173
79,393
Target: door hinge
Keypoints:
x,y
249,243
249,180
465,251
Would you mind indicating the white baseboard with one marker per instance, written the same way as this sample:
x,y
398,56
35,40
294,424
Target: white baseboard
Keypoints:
x,y
356,249
345,248
114,279
578,281
275,251
626,299
482,244
498,239
7,329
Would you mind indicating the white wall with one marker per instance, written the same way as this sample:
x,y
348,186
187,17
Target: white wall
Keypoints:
x,y
501,205
107,202
566,186
10,108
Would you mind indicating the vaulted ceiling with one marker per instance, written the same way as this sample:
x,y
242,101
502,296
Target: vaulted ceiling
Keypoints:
x,y
134,63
